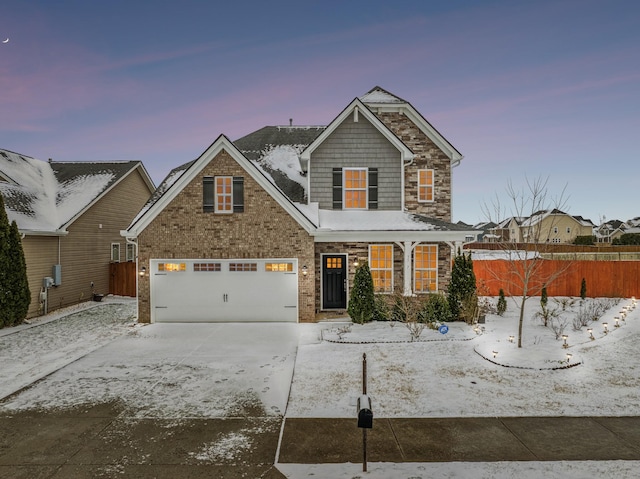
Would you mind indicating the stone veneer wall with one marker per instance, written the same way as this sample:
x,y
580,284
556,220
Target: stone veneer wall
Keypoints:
x,y
361,252
428,155
264,230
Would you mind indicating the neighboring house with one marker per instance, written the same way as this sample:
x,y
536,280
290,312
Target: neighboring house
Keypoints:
x,y
610,230
488,232
554,226
70,216
271,227
508,230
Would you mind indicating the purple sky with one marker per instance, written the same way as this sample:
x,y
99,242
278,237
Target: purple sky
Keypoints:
x,y
538,88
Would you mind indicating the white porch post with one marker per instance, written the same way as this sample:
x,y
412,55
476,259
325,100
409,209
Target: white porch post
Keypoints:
x,y
407,249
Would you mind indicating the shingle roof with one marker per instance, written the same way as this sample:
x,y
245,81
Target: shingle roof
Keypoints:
x,y
46,196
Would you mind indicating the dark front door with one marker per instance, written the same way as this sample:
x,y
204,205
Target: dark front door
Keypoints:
x,y
334,281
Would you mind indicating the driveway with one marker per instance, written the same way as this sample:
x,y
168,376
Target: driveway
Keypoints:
x,y
164,400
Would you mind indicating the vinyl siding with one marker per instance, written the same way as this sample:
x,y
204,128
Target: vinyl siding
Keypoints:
x,y
356,144
41,253
86,251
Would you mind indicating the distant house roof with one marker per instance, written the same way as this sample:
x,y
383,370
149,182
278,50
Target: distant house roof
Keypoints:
x,y
46,197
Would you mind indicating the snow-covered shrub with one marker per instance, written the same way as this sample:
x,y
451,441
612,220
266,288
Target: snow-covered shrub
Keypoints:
x,y
547,314
558,326
565,302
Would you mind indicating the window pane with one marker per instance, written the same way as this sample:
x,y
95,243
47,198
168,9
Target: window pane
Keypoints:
x,y
426,268
381,266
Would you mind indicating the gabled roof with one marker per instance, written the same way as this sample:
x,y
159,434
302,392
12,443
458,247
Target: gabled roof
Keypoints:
x,y
47,197
183,175
381,100
357,107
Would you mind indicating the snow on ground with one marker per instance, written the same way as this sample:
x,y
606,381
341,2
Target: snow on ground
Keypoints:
x,y
456,375
30,352
214,370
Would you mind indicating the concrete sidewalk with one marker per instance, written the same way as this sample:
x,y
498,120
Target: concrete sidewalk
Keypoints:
x,y
312,441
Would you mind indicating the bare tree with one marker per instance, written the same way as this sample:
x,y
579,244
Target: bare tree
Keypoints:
x,y
536,214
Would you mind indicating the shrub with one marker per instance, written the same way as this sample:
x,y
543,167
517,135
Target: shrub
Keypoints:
x,y
361,299
462,285
502,303
583,289
585,240
544,299
435,309
381,310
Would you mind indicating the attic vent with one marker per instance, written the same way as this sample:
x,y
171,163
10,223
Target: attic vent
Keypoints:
x,y
290,121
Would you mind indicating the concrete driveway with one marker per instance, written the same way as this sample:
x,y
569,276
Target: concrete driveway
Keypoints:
x,y
166,400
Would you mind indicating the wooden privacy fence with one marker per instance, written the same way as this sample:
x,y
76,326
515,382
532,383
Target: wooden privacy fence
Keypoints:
x,y
612,279
122,279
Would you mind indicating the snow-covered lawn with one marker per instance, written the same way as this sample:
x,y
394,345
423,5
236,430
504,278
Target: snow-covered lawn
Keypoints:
x,y
456,375
213,370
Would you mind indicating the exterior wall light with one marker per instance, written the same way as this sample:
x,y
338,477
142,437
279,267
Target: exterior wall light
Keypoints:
x,y
304,270
356,262
143,271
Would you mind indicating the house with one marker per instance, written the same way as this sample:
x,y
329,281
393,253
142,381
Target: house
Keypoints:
x,y
487,229
610,230
271,227
554,226
70,216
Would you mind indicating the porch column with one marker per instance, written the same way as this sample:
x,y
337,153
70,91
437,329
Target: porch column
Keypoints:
x,y
407,249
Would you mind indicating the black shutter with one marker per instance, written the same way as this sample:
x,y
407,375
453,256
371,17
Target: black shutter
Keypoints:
x,y
207,194
238,194
337,188
373,188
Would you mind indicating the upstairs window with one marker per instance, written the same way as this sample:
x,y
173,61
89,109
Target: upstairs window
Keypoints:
x,y
115,252
425,186
223,194
355,188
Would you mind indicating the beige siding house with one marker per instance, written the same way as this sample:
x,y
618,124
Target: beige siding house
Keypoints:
x,y
554,226
272,226
70,216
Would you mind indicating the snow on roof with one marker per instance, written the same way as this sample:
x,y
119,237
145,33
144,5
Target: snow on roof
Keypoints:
x,y
284,160
377,220
379,95
45,196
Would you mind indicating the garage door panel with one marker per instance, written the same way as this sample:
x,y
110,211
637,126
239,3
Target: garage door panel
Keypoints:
x,y
224,295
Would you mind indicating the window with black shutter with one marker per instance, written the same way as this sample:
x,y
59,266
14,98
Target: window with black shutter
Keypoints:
x,y
337,188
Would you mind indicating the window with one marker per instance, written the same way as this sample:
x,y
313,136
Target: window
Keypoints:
x,y
243,267
273,267
176,267
425,260
355,188
425,186
334,263
206,266
115,252
381,265
223,194
131,252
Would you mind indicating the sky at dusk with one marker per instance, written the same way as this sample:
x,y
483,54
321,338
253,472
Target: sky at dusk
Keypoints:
x,y
523,89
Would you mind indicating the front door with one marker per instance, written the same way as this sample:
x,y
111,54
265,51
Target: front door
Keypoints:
x,y
334,281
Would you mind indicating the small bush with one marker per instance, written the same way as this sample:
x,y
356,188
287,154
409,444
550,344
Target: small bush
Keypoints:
x,y
502,303
547,315
544,299
381,309
583,289
435,309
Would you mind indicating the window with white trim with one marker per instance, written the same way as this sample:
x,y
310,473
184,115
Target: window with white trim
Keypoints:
x,y
381,266
425,264
355,188
223,194
131,252
115,252
425,186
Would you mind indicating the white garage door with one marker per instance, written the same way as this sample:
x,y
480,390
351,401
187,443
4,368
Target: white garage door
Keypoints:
x,y
210,290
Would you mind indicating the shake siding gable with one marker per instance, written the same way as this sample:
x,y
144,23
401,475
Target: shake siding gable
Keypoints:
x,y
356,144
263,230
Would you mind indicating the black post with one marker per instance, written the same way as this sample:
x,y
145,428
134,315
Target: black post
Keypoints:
x,y
364,430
